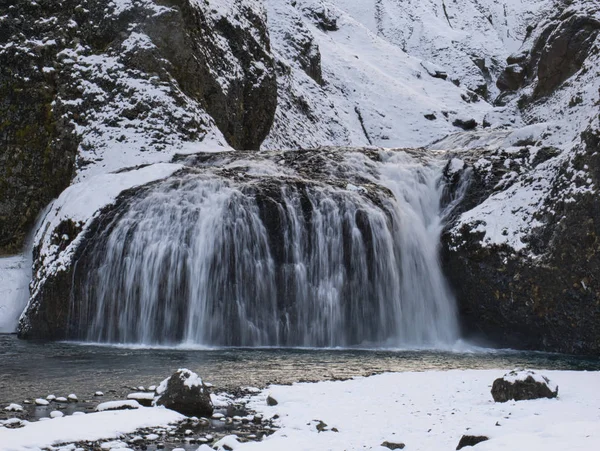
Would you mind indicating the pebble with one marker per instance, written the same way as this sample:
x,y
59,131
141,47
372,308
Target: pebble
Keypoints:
x,y
188,432
61,399
50,398
72,398
98,393
41,402
56,414
27,401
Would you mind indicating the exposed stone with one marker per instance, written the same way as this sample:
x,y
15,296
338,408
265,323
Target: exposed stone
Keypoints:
x,y
44,102
393,446
561,49
271,401
185,393
523,385
469,124
550,302
471,440
512,78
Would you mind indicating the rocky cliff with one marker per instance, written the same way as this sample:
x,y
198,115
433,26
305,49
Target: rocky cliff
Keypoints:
x,y
524,256
92,92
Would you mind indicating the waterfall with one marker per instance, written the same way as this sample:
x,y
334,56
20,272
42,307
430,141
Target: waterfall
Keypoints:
x,y
274,259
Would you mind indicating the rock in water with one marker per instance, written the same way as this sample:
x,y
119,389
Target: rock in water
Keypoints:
x,y
471,440
185,393
523,385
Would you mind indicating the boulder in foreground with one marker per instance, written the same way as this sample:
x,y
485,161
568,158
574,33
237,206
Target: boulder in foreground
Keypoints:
x,y
185,393
520,385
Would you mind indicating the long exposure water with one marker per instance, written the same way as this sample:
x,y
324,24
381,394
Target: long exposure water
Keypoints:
x,y
31,369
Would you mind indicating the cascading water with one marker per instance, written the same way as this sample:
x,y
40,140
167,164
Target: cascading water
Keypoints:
x,y
274,259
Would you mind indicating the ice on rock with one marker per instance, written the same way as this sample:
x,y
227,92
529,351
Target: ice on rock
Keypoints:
x,y
61,399
98,393
72,398
41,402
56,414
50,398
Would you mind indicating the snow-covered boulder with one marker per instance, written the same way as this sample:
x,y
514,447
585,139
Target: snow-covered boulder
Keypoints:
x,y
520,385
185,393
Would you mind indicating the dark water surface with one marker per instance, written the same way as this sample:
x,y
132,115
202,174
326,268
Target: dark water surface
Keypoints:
x,y
31,369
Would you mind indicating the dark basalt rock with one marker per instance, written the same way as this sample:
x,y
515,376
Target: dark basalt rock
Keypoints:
x,y
522,388
393,446
185,393
562,50
512,78
471,440
470,124
271,401
550,302
42,100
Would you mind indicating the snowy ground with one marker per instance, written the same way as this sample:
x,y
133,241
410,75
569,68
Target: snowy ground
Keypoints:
x,y
425,411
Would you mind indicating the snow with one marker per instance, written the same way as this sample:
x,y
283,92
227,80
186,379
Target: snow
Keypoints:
x,y
14,408
522,375
117,405
190,379
103,425
374,92
429,411
142,396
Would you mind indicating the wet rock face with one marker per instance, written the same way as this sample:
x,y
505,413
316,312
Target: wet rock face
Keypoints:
x,y
522,386
550,302
76,76
185,393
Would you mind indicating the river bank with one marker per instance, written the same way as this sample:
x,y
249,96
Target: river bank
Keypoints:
x,y
419,410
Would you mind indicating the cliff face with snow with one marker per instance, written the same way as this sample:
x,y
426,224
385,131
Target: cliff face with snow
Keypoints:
x,y
508,90
524,258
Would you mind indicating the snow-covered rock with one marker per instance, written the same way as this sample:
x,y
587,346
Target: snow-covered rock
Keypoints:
x,y
185,393
14,408
519,385
118,405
